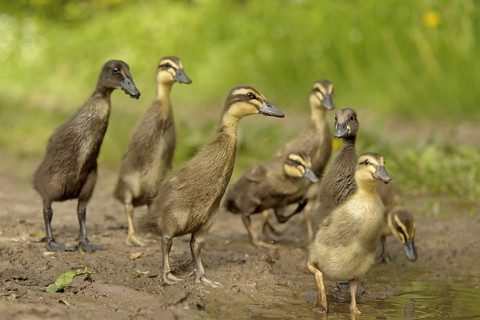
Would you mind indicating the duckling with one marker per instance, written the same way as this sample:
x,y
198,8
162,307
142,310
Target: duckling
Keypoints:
x,y
348,237
398,221
187,202
315,141
269,186
338,183
69,168
149,154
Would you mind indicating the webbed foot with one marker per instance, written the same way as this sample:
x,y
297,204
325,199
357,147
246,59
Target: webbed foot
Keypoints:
x,y
53,245
170,279
87,246
261,244
134,241
320,308
210,283
355,310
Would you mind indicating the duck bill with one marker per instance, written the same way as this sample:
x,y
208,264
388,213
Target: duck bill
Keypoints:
x,y
328,102
410,251
181,77
341,130
382,175
310,175
129,87
268,109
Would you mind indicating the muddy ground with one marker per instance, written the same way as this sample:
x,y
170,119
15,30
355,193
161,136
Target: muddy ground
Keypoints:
x,y
258,283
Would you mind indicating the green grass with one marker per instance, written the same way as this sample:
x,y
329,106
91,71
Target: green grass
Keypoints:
x,y
383,58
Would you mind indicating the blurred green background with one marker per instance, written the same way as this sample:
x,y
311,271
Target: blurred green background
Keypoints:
x,y
409,68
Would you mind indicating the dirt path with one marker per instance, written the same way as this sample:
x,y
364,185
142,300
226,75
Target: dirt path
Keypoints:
x,y
258,284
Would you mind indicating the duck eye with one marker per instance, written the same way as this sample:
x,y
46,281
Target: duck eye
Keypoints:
x,y
335,118
115,70
399,229
298,162
168,65
352,118
250,95
366,162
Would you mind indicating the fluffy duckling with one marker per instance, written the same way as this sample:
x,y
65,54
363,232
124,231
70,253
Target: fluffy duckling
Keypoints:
x,y
398,221
315,141
348,237
338,183
69,168
149,154
187,202
269,186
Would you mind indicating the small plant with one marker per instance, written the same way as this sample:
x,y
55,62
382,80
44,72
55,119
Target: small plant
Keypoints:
x,y
65,279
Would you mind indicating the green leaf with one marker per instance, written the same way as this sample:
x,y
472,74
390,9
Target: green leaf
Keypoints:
x,y
65,279
37,234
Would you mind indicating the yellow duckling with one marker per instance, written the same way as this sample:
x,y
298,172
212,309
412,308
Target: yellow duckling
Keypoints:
x,y
348,237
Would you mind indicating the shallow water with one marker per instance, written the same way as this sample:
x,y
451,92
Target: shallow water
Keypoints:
x,y
394,293
432,299
391,292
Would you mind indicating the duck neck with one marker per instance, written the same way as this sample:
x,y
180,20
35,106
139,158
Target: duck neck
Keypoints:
x,y
366,188
163,91
317,115
229,124
164,108
348,142
102,92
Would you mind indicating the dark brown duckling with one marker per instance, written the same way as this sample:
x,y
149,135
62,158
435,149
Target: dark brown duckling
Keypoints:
x,y
398,221
338,183
348,237
188,201
69,168
269,186
149,154
316,142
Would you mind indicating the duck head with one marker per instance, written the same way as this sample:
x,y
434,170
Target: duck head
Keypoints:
x,y
371,170
244,100
402,225
299,165
322,95
170,70
116,75
346,123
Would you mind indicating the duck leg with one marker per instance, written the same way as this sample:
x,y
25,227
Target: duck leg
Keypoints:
x,y
83,198
196,244
132,239
307,216
83,243
52,245
321,293
382,256
253,236
167,276
282,218
353,290
267,228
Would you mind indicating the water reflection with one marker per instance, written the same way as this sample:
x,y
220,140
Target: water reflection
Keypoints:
x,y
431,299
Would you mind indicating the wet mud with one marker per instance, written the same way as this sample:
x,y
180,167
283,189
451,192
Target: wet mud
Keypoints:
x,y
258,283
